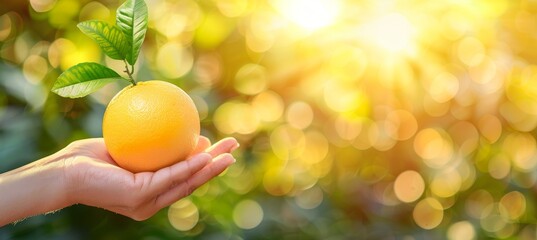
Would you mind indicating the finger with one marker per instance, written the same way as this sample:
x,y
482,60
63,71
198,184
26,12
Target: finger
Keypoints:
x,y
171,176
184,189
225,145
203,143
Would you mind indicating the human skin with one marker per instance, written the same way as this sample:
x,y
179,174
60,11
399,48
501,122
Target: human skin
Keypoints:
x,y
84,173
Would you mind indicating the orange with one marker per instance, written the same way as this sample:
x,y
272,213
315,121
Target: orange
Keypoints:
x,y
149,126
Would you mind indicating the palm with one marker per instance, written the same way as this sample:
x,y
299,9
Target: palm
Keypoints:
x,y
102,183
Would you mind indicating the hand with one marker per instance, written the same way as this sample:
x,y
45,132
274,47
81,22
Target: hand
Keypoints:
x,y
97,181
84,172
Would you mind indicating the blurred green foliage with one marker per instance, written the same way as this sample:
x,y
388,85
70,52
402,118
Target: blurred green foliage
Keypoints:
x,y
364,119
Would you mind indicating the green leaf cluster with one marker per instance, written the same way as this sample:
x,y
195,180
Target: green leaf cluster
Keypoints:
x,y
121,42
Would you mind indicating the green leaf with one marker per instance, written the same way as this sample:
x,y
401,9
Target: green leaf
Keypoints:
x,y
110,38
83,79
131,18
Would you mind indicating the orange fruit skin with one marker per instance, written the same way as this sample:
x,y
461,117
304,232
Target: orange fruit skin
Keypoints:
x,y
150,126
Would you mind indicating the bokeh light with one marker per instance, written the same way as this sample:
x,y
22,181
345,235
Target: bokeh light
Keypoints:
x,y
432,145
512,205
183,215
247,214
42,5
462,230
173,60
428,213
409,186
310,198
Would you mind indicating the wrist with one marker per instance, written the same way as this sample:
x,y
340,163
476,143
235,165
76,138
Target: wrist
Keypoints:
x,y
66,177
52,171
33,189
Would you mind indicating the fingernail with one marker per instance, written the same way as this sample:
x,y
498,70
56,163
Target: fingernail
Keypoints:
x,y
235,147
225,156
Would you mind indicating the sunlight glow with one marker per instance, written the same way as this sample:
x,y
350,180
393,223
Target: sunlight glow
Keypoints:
x,y
392,32
310,14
